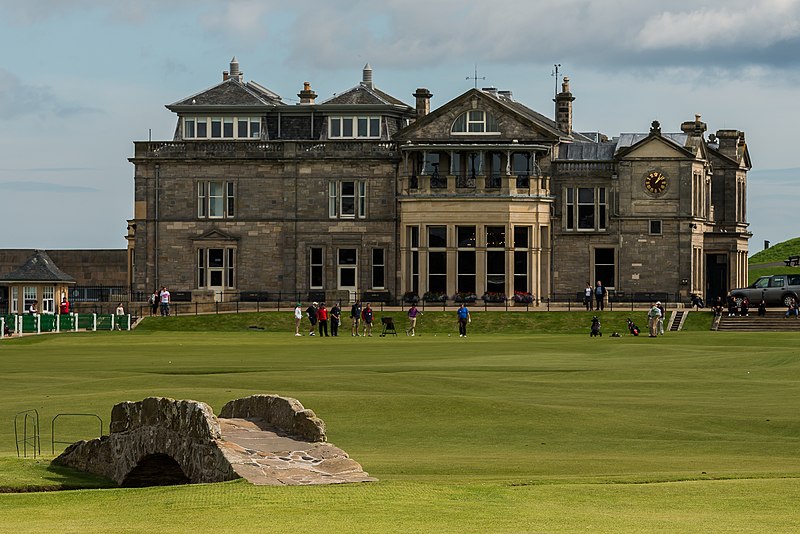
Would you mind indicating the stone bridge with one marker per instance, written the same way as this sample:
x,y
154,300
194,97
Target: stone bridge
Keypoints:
x,y
265,439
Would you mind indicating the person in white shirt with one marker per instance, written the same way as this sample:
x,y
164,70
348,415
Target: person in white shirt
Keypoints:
x,y
120,313
164,296
298,317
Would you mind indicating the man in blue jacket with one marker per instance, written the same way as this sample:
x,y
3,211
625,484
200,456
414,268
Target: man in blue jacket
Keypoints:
x,y
463,319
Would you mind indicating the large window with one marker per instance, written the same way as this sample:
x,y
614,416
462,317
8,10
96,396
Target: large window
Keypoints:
x,y
466,262
28,296
522,246
354,127
231,127
413,243
15,299
585,208
378,268
347,199
605,266
495,259
315,268
216,267
48,300
216,199
437,259
475,121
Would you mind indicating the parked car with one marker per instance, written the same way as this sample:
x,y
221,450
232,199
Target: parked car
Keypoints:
x,y
776,290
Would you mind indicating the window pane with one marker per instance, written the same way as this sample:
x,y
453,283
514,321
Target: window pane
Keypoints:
x,y
466,236
604,255
495,236
375,127
362,199
362,127
202,129
460,124
215,257
520,262
437,262
466,262
216,128
188,128
585,195
377,256
413,233
348,206
242,128
378,276
347,256
336,128
348,188
347,127
586,217
255,128
227,131
437,236
521,234
316,256
215,278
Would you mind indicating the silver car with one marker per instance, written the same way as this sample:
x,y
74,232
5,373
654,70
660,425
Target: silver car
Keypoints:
x,y
778,289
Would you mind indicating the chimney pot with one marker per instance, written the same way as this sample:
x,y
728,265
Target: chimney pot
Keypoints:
x,y
366,78
423,98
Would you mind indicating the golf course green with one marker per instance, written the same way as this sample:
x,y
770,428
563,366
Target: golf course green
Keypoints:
x,y
527,425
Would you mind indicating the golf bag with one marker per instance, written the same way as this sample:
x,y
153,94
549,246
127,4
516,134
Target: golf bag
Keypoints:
x,y
632,328
595,331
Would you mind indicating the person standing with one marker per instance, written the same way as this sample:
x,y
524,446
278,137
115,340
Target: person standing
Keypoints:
x,y
355,315
762,308
322,319
120,313
463,319
32,309
600,296
366,318
298,318
660,325
336,318
63,308
587,296
164,298
413,312
155,302
652,320
311,312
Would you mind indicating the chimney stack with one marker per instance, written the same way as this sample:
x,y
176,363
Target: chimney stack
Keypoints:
x,y
225,75
423,97
563,102
694,128
307,96
235,73
730,142
366,78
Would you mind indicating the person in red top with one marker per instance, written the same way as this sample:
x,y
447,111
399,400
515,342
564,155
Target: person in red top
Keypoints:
x,y
63,309
322,318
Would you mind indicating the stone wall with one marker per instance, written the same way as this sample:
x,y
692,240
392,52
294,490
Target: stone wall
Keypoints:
x,y
283,413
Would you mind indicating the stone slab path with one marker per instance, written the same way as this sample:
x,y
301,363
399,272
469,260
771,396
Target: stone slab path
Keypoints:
x,y
265,457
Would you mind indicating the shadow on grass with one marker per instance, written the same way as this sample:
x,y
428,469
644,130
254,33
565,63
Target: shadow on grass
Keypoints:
x,y
23,475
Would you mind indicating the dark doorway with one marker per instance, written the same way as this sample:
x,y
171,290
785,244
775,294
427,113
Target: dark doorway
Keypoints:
x,y
716,276
155,470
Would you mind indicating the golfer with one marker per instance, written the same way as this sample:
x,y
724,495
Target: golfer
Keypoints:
x,y
463,319
413,312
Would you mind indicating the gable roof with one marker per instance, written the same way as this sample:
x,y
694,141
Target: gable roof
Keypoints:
x,y
627,143
231,93
528,115
362,94
215,234
37,268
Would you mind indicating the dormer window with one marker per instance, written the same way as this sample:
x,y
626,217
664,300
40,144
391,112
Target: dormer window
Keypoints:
x,y
231,127
475,121
354,127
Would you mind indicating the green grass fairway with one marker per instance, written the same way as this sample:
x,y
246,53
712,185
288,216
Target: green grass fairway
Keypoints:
x,y
506,431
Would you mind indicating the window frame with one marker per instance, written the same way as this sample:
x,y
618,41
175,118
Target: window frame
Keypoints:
x,y
228,267
651,227
227,199
201,128
349,126
316,267
379,268
571,219
468,120
336,199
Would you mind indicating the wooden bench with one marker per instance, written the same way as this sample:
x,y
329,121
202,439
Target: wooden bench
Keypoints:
x,y
792,261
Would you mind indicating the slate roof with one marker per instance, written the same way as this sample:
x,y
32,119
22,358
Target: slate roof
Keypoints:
x,y
363,95
605,151
230,93
37,268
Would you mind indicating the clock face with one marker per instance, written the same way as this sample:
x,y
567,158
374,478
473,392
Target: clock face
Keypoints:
x,y
655,182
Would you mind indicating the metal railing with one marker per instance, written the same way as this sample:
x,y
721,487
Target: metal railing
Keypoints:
x,y
34,440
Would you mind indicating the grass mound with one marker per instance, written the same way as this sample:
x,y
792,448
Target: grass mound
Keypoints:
x,y
776,253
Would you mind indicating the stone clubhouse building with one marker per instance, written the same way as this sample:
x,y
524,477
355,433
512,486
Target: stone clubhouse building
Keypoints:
x,y
363,193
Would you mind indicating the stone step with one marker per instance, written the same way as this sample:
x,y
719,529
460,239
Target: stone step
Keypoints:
x,y
773,322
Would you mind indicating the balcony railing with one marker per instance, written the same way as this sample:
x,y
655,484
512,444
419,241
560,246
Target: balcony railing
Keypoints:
x,y
583,167
263,149
468,185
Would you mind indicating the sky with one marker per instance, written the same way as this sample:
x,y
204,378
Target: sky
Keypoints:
x,y
81,80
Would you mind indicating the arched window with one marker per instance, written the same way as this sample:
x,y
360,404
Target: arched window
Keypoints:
x,y
474,121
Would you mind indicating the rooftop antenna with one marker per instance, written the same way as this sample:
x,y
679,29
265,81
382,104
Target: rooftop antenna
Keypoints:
x,y
556,74
475,77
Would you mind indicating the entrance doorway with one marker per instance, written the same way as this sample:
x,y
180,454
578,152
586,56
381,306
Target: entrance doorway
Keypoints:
x,y
716,276
347,270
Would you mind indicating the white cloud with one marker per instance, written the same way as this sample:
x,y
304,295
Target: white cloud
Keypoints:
x,y
18,99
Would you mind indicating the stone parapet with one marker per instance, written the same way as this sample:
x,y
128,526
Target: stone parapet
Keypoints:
x,y
283,413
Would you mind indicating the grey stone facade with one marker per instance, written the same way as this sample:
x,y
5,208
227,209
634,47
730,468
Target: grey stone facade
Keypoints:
x,y
340,197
